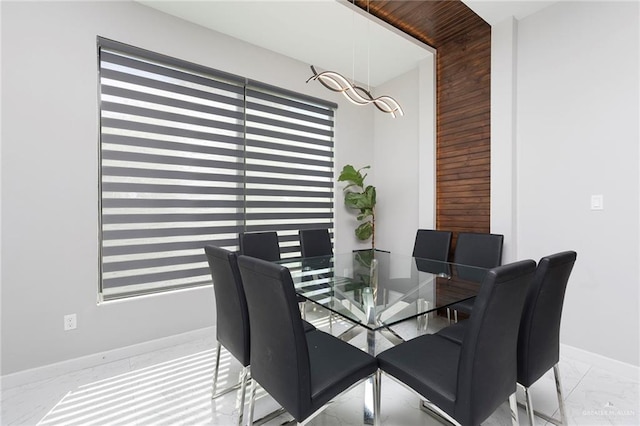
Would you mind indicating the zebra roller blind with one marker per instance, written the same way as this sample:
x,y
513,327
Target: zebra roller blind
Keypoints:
x,y
289,166
191,156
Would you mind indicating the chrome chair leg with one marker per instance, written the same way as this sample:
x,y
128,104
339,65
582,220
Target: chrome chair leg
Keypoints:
x,y
252,401
377,388
531,412
529,405
563,414
303,309
513,404
422,321
244,376
436,412
215,371
214,388
455,315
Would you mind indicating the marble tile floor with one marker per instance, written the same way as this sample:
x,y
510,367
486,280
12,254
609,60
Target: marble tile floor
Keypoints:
x,y
172,386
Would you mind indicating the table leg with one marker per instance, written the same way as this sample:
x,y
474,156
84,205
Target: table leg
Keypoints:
x,y
422,320
368,384
370,301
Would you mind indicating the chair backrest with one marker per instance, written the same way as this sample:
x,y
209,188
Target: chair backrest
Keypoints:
x,y
315,242
279,353
232,316
432,244
477,249
488,363
539,337
262,245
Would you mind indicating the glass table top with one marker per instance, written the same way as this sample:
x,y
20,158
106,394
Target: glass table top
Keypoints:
x,y
377,289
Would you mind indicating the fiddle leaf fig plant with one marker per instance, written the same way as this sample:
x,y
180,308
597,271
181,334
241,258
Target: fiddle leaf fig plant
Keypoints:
x,y
362,198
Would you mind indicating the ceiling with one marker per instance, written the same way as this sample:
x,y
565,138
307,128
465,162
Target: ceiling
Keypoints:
x,y
497,11
336,35
329,34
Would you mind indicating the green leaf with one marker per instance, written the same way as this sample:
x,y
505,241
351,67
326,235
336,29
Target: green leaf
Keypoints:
x,y
350,174
353,176
364,231
364,257
365,213
356,200
370,192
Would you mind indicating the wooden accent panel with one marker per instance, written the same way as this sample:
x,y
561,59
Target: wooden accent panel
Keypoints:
x,y
463,146
432,22
463,153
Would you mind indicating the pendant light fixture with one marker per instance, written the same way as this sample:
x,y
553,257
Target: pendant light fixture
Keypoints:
x,y
355,94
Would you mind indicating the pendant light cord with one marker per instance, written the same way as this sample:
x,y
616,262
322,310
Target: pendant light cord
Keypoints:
x,y
353,44
368,48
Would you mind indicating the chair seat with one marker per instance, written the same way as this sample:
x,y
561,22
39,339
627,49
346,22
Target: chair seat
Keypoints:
x,y
465,306
429,365
335,366
454,332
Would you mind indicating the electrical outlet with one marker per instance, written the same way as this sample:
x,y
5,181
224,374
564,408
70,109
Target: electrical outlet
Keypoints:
x,y
70,322
597,202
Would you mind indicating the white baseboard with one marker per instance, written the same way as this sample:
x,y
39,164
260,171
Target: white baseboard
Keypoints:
x,y
595,360
64,367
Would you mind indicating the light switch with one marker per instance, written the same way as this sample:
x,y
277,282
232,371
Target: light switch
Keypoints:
x,y
597,202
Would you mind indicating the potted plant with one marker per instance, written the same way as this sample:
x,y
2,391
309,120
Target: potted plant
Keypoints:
x,y
362,198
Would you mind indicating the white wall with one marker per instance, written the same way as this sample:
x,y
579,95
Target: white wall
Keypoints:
x,y
427,144
49,178
577,111
400,146
504,176
358,155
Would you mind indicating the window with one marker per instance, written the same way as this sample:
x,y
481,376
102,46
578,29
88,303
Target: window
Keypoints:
x,y
191,156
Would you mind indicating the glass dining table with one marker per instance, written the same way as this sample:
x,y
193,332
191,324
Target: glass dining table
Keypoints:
x,y
374,290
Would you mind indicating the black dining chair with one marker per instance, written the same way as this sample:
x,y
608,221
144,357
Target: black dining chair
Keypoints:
x,y
315,242
539,335
432,244
475,249
232,318
301,371
468,382
263,245
539,338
